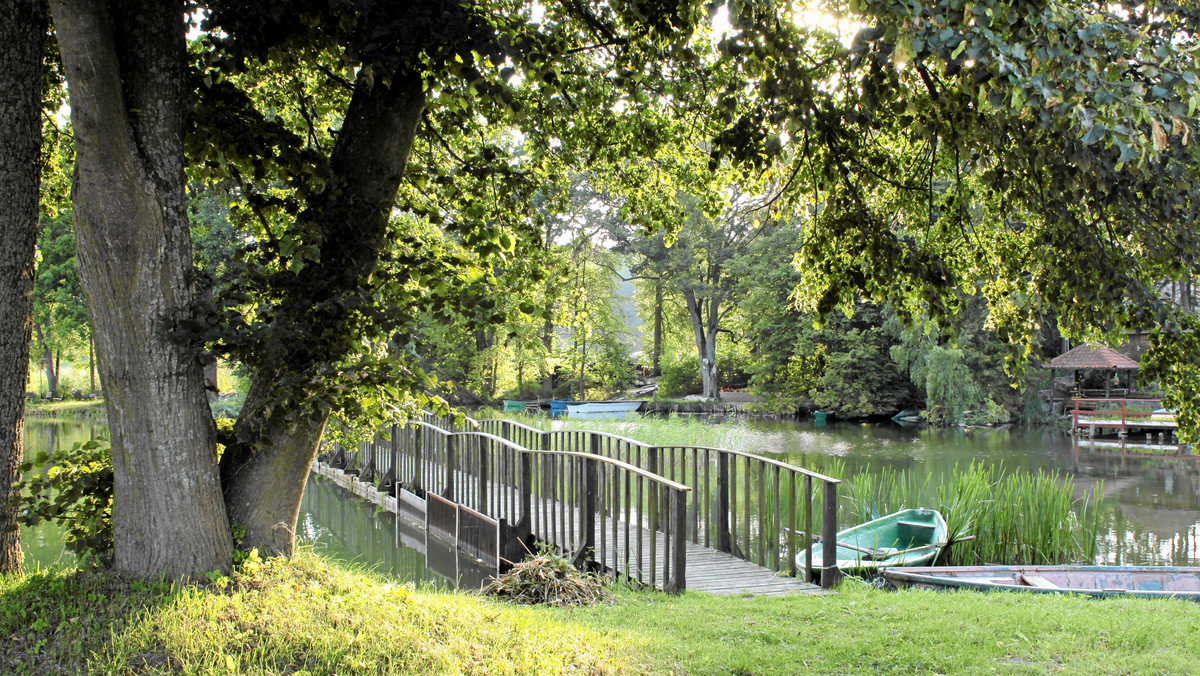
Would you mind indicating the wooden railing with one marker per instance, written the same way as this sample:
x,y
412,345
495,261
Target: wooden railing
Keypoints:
x,y
603,513
750,506
1119,413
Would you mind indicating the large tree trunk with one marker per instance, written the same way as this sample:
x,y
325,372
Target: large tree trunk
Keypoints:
x,y
22,43
264,473
126,75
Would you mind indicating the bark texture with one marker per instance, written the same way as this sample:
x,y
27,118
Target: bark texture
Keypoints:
x,y
22,44
125,65
264,479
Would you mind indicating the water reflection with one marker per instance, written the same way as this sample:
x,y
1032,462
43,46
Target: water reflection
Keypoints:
x,y
1154,500
43,544
1153,493
344,527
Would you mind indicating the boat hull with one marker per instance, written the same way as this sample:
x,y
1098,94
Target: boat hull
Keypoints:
x,y
603,410
1097,581
913,537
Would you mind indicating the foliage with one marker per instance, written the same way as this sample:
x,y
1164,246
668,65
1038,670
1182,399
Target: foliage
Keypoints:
x,y
61,324
1047,144
75,491
1028,138
842,363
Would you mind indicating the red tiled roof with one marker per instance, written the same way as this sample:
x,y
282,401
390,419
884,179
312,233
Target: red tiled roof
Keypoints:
x,y
1091,357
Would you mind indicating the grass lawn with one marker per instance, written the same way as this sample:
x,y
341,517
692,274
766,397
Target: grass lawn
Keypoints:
x,y
65,407
862,630
308,616
298,617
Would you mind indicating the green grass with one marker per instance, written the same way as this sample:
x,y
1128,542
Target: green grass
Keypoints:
x,y
309,616
64,406
306,616
862,630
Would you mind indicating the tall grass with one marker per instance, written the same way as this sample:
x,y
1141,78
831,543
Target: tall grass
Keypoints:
x,y
992,516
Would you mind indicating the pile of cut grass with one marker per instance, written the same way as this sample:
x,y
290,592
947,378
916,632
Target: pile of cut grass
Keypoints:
x,y
300,616
550,580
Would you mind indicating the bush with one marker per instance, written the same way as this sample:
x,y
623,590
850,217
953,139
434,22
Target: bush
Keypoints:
x,y
76,492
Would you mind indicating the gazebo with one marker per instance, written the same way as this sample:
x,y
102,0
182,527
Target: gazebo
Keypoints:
x,y
1092,358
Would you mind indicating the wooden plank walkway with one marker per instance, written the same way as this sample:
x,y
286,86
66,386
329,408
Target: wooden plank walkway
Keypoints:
x,y
707,570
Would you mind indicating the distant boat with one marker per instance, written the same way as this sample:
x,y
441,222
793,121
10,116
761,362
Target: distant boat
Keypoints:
x,y
1101,581
910,537
820,416
602,410
908,417
510,405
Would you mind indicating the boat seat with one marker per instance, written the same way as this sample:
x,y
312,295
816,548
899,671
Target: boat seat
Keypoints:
x,y
914,532
1034,580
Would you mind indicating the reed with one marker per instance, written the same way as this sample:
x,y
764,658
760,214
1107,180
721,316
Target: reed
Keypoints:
x,y
1013,517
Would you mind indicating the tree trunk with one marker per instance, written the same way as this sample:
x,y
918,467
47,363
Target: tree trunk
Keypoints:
x,y
582,365
47,361
704,330
210,369
52,358
126,72
548,345
92,364
656,367
22,43
264,474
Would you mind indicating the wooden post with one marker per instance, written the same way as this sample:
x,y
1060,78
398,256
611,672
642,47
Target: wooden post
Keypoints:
x,y
830,573
525,525
808,514
451,467
587,517
791,538
721,517
677,580
418,439
481,492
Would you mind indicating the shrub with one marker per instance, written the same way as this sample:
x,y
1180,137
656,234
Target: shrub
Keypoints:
x,y
75,491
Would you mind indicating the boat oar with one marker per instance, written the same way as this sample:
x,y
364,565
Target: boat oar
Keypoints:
x,y
873,553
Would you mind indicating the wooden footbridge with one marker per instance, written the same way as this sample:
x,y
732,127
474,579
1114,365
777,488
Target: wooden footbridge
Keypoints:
x,y
669,517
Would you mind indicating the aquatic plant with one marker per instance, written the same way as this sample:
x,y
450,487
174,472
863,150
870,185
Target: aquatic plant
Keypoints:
x,y
992,515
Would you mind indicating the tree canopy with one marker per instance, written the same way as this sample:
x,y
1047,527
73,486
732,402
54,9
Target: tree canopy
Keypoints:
x,y
385,159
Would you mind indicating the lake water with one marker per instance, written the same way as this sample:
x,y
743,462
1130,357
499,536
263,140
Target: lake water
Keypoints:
x,y
1154,501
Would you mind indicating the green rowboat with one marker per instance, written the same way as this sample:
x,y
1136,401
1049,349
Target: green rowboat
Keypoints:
x,y
910,537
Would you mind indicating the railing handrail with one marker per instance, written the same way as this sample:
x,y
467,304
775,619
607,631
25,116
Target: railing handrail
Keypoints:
x,y
1113,400
656,478
754,456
